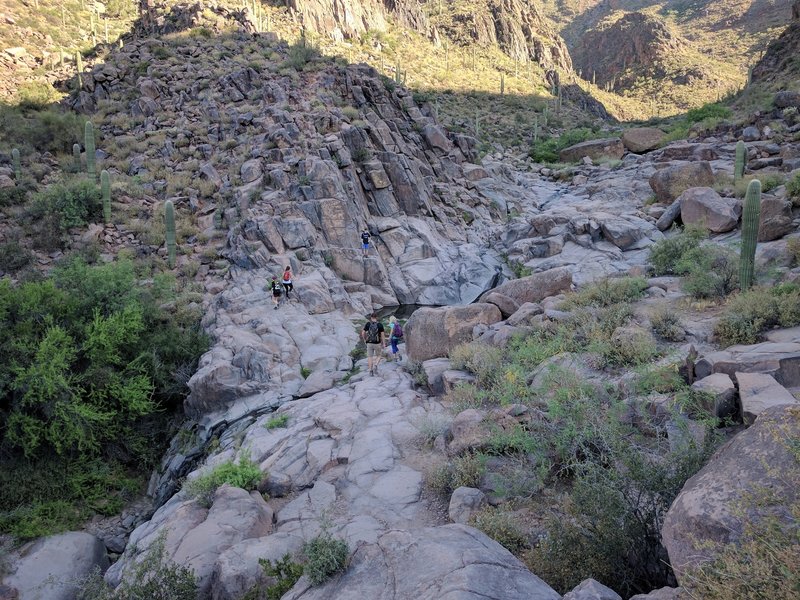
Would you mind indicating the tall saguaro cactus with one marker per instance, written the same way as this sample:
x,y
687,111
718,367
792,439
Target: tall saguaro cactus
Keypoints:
x,y
169,216
16,163
88,142
750,221
105,187
738,165
79,69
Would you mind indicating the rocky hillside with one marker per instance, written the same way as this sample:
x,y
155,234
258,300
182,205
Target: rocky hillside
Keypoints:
x,y
713,44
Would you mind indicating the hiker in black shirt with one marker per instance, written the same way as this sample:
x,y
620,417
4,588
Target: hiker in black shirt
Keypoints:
x,y
374,337
365,242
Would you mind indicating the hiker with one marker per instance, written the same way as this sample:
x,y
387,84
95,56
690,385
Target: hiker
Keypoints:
x,y
373,336
395,335
365,242
276,292
287,281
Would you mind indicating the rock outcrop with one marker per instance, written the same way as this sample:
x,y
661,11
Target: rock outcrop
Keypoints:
x,y
434,332
51,568
453,561
714,504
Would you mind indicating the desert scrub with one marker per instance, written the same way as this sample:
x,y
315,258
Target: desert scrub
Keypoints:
x,y
711,271
769,181
430,426
793,189
154,577
277,421
502,528
667,324
607,292
284,571
246,475
666,255
325,556
750,313
465,470
479,359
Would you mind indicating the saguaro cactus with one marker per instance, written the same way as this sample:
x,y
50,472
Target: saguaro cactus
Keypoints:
x,y
76,157
105,186
79,69
738,166
169,216
88,143
750,221
15,162
502,84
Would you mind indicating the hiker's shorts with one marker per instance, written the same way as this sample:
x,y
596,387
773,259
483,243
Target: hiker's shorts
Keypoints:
x,y
373,350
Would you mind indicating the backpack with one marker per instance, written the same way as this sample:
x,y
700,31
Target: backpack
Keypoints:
x,y
276,288
373,334
397,331
287,276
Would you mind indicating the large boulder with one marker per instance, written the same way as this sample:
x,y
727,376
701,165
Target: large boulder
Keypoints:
x,y
536,287
671,182
610,148
196,536
776,218
50,568
464,502
703,206
642,139
433,563
786,99
434,332
590,589
722,393
715,505
760,391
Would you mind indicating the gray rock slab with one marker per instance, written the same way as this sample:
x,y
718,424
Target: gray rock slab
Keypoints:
x,y
590,589
758,392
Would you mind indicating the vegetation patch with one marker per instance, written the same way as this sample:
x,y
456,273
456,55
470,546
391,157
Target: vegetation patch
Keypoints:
x,y
749,314
245,474
277,421
501,527
286,573
607,292
325,556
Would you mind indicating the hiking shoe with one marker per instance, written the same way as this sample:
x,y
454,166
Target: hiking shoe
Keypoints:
x,y
276,308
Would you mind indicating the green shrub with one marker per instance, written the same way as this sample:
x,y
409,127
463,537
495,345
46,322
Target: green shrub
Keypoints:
x,y
612,529
465,470
37,95
667,324
278,421
750,313
666,255
300,54
661,380
607,292
502,528
793,189
14,257
325,556
769,181
12,196
546,150
51,130
285,571
63,206
152,578
708,111
711,271
246,475
480,359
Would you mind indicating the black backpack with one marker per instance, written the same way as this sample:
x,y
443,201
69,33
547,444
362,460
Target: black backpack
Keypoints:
x,y
373,333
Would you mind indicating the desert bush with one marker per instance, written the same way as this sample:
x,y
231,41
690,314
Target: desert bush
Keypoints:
x,y
12,196
285,571
63,206
502,528
36,95
481,360
277,421
750,313
49,130
325,556
793,247
711,271
546,149
431,426
793,189
661,380
708,111
300,54
351,112
769,181
14,256
666,255
667,324
245,474
607,292
465,470
612,529
153,578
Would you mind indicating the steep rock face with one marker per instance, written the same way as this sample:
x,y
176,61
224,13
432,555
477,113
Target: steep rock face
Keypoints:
x,y
519,28
348,18
779,61
618,51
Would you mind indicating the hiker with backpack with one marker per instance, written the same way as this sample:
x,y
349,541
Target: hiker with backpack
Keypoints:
x,y
287,281
373,335
395,335
276,291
